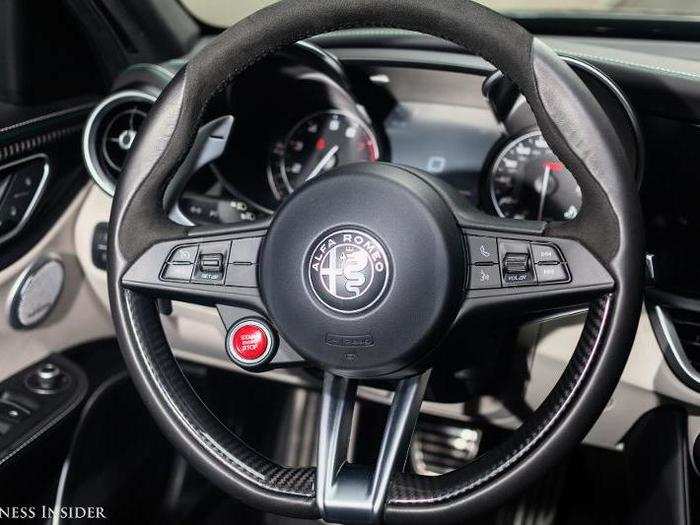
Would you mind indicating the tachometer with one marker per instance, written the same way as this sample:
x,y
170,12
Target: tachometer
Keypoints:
x,y
317,144
527,181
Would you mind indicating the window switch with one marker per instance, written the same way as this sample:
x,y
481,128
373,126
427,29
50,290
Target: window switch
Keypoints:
x,y
13,413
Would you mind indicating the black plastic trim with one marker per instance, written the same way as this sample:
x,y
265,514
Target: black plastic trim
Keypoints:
x,y
47,410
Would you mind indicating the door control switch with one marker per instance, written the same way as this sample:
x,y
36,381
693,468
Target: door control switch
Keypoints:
x,y
12,413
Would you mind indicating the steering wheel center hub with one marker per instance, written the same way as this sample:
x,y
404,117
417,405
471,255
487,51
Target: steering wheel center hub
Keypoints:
x,y
348,270
363,269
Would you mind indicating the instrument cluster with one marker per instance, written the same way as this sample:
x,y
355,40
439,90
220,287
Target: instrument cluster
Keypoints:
x,y
489,147
317,144
301,113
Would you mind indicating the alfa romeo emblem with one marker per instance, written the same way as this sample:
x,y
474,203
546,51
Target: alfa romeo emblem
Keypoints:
x,y
348,270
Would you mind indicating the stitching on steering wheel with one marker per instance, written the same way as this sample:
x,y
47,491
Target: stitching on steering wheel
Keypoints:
x,y
405,492
235,463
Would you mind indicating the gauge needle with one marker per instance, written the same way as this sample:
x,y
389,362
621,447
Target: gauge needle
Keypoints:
x,y
325,160
545,184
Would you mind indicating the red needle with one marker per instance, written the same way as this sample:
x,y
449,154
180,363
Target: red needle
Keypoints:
x,y
554,166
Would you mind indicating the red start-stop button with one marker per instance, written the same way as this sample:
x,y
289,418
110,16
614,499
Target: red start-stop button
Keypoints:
x,y
250,342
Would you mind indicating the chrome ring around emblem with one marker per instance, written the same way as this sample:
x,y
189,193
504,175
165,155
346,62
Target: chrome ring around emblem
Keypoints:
x,y
348,270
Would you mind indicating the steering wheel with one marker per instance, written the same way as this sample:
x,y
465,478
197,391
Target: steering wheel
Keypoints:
x,y
363,272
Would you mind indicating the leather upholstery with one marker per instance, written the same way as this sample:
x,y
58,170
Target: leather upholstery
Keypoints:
x,y
576,128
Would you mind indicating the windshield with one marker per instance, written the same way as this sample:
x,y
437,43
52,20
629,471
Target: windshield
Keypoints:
x,y
223,14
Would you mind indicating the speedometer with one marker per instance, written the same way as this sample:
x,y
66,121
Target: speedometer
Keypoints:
x,y
317,144
527,181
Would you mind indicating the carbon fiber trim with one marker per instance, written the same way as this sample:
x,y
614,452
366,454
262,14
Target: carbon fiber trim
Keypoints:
x,y
406,489
25,146
196,418
415,490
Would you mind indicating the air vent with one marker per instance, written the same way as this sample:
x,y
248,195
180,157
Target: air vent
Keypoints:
x,y
110,133
678,332
438,449
687,325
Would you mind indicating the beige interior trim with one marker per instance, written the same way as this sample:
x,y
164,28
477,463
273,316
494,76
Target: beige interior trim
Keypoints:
x,y
79,317
95,209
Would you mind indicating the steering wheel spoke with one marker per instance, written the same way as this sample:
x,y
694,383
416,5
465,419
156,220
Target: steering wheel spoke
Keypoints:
x,y
350,493
208,266
530,273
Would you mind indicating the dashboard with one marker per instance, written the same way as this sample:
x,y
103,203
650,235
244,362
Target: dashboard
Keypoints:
x,y
368,95
301,113
408,100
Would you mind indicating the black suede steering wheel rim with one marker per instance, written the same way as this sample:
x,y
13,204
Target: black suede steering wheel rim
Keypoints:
x,y
609,225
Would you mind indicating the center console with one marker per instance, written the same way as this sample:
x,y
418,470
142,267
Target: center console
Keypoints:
x,y
36,399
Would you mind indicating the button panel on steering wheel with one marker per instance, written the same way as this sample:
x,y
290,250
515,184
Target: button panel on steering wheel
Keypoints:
x,y
215,263
499,263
